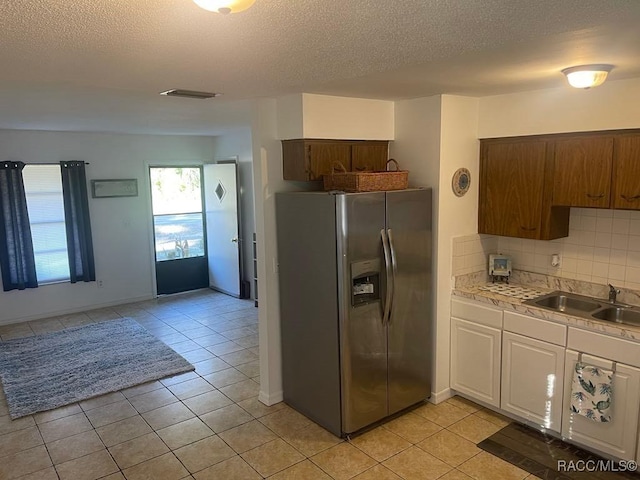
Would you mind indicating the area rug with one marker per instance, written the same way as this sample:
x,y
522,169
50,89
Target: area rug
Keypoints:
x,y
55,369
540,455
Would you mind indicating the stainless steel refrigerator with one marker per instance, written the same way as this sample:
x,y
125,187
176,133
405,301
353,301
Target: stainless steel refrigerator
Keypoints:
x,y
355,304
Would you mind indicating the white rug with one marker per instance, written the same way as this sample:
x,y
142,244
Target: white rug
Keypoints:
x,y
55,369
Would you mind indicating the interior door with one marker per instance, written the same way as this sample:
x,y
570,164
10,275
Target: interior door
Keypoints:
x,y
409,230
224,244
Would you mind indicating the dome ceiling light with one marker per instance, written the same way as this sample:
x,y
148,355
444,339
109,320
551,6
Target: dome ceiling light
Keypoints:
x,y
587,76
224,6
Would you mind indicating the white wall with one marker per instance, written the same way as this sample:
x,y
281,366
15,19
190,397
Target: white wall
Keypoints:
x,y
417,149
121,226
268,179
434,137
324,116
612,105
238,144
459,147
289,115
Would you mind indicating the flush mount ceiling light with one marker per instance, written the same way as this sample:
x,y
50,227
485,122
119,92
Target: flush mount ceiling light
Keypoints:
x,y
224,6
587,76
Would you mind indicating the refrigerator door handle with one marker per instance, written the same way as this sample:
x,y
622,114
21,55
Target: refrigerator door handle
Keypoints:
x,y
394,270
387,267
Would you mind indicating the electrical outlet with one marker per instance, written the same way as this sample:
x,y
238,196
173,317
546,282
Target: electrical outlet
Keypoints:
x,y
100,283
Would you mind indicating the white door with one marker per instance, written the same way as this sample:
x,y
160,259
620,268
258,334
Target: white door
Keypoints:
x,y
223,237
532,373
618,437
475,360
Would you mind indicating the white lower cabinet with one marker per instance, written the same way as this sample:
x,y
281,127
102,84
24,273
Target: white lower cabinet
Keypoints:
x,y
475,360
618,437
532,373
524,366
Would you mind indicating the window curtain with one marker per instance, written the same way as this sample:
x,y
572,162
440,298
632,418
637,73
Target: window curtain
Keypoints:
x,y
16,247
78,224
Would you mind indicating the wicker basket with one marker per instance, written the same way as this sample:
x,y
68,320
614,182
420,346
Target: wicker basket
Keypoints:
x,y
340,179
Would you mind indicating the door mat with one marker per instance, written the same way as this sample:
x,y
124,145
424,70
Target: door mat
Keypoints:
x,y
55,369
544,456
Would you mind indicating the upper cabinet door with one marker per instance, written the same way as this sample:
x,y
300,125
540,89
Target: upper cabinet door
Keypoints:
x,y
626,173
323,156
583,171
369,156
512,178
309,159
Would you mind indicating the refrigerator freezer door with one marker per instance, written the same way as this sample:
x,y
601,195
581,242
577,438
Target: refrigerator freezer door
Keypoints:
x,y
409,348
363,340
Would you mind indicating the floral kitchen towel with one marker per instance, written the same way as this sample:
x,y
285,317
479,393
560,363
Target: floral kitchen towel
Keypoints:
x,y
591,392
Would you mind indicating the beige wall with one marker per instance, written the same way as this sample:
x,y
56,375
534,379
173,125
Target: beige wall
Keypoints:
x,y
612,105
323,116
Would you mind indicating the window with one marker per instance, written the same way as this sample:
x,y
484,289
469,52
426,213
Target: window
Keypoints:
x,y
43,188
177,212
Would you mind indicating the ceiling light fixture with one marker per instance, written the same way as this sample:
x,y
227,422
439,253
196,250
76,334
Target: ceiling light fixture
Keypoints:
x,y
587,76
224,6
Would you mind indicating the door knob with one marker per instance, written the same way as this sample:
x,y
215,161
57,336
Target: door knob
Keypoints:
x,y
234,240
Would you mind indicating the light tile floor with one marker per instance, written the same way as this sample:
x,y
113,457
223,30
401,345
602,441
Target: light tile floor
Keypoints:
x,y
209,424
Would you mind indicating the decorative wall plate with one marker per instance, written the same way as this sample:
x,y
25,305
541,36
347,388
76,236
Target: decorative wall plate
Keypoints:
x,y
461,181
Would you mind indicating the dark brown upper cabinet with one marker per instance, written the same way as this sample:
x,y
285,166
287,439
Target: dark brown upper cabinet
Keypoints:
x,y
583,171
370,156
310,159
527,184
626,172
515,190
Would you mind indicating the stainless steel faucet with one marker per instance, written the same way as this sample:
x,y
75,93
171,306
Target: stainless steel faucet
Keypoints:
x,y
613,293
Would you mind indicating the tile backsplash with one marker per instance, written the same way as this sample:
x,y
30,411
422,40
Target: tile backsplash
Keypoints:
x,y
471,253
603,247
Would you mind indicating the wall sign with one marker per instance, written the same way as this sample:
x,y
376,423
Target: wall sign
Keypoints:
x,y
461,181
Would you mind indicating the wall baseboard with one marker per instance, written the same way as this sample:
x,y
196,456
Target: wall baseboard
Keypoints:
x,y
441,396
271,399
69,311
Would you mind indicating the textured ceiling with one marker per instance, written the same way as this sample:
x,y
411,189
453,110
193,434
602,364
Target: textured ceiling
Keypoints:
x,y
99,64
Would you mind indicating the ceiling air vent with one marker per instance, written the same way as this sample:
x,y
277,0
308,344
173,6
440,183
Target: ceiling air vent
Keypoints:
x,y
189,94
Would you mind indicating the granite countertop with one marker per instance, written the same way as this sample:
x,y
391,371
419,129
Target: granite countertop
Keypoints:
x,y
477,292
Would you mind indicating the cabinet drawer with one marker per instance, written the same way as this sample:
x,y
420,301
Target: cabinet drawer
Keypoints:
x,y
477,313
616,349
535,328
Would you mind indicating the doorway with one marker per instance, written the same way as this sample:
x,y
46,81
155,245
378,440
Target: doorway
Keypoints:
x,y
179,229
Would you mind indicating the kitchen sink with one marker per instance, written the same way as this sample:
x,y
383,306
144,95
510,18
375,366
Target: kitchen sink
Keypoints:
x,y
562,302
619,315
587,307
